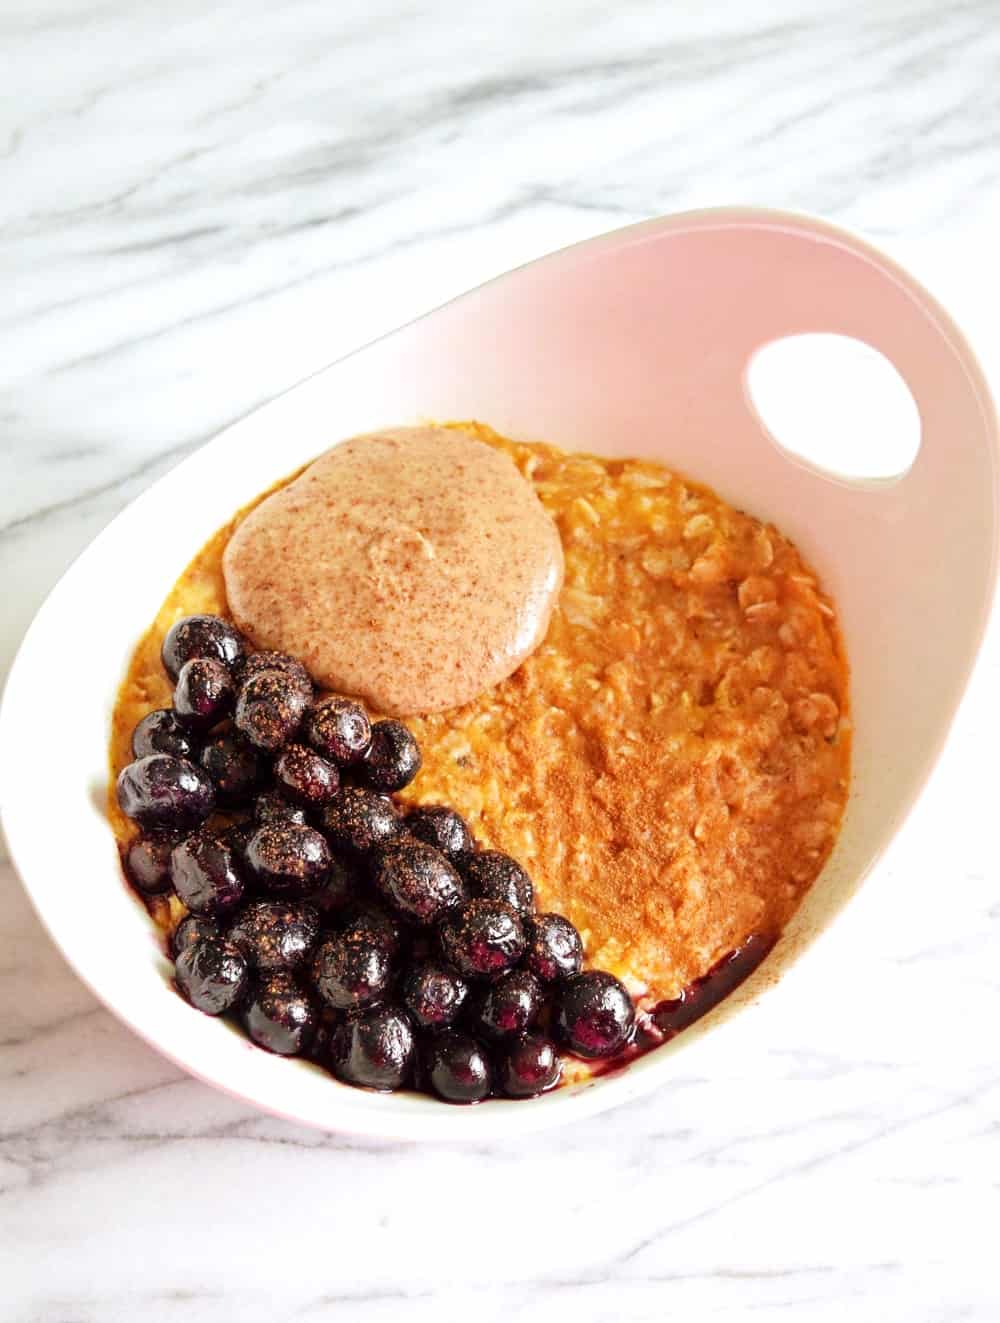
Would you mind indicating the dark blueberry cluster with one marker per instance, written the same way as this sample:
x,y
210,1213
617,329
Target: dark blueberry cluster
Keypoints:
x,y
328,920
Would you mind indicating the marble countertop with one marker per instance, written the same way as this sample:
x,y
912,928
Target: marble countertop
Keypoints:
x,y
200,205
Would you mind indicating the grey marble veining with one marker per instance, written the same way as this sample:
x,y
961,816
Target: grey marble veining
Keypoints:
x,y
201,204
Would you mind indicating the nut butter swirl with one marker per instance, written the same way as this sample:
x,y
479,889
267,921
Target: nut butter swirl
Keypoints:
x,y
414,567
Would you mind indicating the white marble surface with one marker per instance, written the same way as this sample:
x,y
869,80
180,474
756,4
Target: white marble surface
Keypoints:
x,y
201,203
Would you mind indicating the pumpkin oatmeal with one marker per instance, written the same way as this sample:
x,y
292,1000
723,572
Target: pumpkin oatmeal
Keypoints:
x,y
671,764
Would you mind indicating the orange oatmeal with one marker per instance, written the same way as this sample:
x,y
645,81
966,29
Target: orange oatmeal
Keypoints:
x,y
671,764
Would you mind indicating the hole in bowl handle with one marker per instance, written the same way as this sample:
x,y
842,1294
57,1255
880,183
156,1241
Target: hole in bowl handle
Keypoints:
x,y
837,404
802,277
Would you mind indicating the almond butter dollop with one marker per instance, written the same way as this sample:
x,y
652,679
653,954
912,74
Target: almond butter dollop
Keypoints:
x,y
413,567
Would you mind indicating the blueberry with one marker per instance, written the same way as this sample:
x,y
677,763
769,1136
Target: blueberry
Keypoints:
x,y
288,860
205,693
554,949
275,935
417,880
162,791
319,1048
192,928
509,1006
343,882
380,926
237,836
442,827
272,808
373,1050
434,995
161,732
147,862
304,776
269,710
483,939
529,1066
457,1068
206,874
594,1014
392,759
287,666
496,876
352,970
338,729
211,975
280,1016
236,768
201,636
360,819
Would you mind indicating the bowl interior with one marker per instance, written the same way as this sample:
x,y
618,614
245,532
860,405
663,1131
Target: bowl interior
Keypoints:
x,y
634,344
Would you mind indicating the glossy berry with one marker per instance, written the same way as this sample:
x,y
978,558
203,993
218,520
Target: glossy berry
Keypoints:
x,y
554,949
211,975
272,808
162,791
352,970
434,995
483,939
594,1014
442,827
373,1049
342,884
206,874
161,732
319,1048
417,881
237,836
201,636
457,1068
338,729
236,768
378,924
205,693
288,860
360,819
275,934
269,710
496,876
280,1016
147,862
510,1006
305,777
290,667
192,928
392,759
529,1066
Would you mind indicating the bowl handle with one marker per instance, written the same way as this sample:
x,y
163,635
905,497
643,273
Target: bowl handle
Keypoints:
x,y
808,276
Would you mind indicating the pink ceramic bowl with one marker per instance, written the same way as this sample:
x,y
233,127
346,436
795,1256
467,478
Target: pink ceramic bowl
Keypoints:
x,y
635,343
